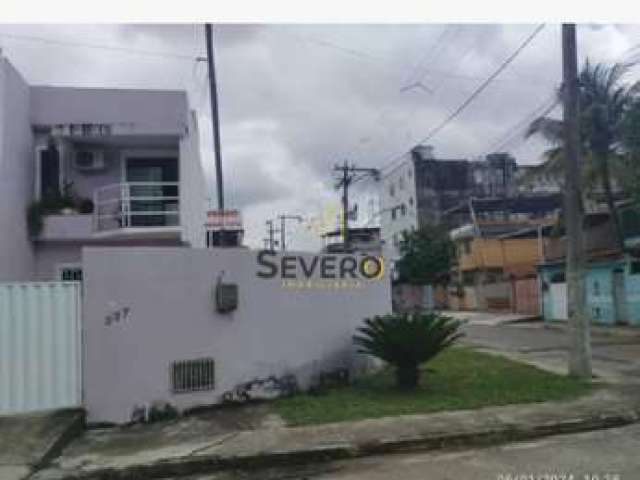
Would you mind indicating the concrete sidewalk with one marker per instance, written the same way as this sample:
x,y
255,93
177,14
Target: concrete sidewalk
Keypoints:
x,y
175,454
29,441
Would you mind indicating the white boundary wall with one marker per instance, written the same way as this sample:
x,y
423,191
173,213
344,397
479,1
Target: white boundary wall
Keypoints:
x,y
163,299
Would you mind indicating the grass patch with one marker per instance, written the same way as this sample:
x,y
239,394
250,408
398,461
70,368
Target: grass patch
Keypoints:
x,y
459,378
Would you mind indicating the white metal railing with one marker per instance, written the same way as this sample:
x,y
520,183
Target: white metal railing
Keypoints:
x,y
136,204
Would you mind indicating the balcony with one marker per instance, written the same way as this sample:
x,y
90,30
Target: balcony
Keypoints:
x,y
123,211
136,208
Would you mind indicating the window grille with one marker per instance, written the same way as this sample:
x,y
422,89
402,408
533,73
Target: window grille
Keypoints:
x,y
192,375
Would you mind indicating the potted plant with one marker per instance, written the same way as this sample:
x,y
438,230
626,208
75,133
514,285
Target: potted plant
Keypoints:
x,y
55,202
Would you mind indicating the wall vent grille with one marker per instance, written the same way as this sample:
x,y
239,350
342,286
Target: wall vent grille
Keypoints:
x,y
192,375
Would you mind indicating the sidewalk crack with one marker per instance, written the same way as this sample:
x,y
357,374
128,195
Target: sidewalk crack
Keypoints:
x,y
216,443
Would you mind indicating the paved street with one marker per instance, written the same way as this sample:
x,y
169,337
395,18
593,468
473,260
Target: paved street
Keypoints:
x,y
601,455
594,453
616,358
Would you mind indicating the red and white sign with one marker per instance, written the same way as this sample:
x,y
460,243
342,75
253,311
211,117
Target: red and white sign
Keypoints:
x,y
230,219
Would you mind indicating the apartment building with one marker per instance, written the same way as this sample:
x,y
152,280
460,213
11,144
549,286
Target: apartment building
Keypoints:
x,y
87,166
421,188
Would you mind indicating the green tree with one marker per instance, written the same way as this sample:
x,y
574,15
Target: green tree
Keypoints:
x,y
407,341
631,143
425,254
605,98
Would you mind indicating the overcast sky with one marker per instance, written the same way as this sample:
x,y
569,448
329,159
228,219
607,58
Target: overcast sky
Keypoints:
x,y
295,99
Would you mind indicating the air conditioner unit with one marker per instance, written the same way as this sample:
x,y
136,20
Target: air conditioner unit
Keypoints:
x,y
88,160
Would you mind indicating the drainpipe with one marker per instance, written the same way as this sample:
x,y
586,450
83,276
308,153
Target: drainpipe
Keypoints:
x,y
540,244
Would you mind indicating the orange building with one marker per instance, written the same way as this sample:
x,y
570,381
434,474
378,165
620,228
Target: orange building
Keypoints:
x,y
496,266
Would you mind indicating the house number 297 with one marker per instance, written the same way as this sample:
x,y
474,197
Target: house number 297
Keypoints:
x,y
117,316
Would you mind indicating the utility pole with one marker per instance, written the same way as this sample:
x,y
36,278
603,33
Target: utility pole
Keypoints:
x,y
344,182
350,174
579,327
271,231
213,96
283,229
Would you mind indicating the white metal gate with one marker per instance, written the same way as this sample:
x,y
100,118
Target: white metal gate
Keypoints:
x,y
559,307
40,337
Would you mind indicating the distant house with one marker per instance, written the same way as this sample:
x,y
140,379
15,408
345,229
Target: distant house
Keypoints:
x,y
518,209
499,242
496,266
612,276
531,180
92,166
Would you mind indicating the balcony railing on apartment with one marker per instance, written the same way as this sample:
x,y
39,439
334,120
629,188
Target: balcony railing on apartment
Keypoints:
x,y
136,205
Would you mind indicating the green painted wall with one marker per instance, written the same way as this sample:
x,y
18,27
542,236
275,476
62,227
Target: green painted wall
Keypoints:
x,y
600,292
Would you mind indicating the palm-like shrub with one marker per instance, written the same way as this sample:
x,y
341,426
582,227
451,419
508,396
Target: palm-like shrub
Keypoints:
x,y
406,341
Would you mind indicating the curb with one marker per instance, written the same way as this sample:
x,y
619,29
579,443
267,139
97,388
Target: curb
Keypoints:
x,y
631,334
72,431
210,464
193,465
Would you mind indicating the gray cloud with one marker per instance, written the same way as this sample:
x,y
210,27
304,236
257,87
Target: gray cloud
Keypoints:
x,y
295,99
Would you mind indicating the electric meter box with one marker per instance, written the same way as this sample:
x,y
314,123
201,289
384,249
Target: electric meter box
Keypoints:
x,y
226,296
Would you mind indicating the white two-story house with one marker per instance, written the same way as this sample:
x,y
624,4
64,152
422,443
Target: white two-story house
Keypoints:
x,y
86,166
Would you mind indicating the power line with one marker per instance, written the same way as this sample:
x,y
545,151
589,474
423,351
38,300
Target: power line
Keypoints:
x,y
546,108
413,111
482,86
520,133
434,131
429,53
541,110
471,48
415,69
512,132
375,59
327,44
432,53
114,48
